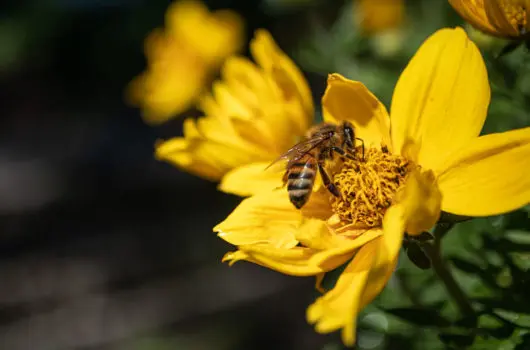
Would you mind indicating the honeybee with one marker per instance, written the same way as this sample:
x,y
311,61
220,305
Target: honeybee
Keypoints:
x,y
309,156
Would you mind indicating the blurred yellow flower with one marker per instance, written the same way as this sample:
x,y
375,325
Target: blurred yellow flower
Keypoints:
x,y
426,157
255,113
182,57
377,16
501,18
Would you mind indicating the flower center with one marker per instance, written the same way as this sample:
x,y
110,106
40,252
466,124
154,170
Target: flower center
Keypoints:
x,y
515,13
368,186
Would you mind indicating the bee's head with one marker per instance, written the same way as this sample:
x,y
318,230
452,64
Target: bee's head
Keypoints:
x,y
349,134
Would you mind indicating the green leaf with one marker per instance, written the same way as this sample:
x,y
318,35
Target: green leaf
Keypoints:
x,y
457,340
507,303
466,266
525,344
502,332
420,316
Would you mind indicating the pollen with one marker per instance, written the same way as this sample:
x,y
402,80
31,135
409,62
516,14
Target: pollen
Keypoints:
x,y
368,185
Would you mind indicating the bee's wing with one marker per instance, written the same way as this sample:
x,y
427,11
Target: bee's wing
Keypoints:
x,y
279,165
296,152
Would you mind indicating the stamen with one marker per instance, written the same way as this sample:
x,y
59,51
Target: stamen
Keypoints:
x,y
368,186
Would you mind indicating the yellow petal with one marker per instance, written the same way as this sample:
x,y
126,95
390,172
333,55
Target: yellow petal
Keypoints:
x,y
315,234
350,100
176,73
364,278
257,133
262,104
238,122
208,105
251,179
318,282
211,35
293,262
343,245
488,177
230,102
502,16
201,156
322,251
474,12
286,74
248,81
388,247
160,91
441,99
267,218
420,200
297,261
176,151
339,307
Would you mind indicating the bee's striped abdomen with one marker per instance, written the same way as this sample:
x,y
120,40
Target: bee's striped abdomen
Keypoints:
x,y
300,180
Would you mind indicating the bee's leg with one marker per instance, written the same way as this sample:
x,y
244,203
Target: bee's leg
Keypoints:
x,y
329,154
284,181
362,146
344,154
327,181
285,178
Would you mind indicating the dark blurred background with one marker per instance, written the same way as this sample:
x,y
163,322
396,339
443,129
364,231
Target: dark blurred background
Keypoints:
x,y
101,246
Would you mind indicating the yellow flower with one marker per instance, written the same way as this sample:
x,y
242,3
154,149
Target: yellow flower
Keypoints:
x,y
427,156
501,18
255,114
377,16
182,57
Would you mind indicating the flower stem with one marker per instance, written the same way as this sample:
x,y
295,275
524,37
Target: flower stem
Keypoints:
x,y
441,269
